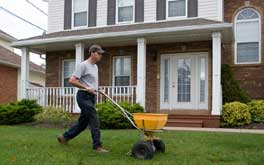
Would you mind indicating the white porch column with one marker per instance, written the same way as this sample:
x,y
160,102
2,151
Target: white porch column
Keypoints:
x,y
216,76
24,72
79,57
141,71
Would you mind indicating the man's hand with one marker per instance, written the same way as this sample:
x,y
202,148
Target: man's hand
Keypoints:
x,y
90,90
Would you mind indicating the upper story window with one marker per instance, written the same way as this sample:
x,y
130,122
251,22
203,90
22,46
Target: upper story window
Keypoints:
x,y
247,37
79,13
176,8
125,10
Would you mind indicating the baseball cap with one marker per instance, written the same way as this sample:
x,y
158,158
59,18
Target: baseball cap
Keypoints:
x,y
96,48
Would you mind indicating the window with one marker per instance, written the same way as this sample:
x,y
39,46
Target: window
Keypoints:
x,y
80,13
122,71
176,8
125,10
247,37
68,69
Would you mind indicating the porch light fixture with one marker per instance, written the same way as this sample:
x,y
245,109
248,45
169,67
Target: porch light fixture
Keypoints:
x,y
183,48
154,53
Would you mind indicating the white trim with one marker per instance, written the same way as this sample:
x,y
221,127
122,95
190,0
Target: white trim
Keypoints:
x,y
194,104
72,17
125,22
220,10
141,71
176,17
113,76
218,26
163,104
235,42
24,72
62,70
216,73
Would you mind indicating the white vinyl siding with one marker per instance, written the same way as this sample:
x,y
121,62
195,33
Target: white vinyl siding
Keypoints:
x,y
55,15
150,10
208,9
101,13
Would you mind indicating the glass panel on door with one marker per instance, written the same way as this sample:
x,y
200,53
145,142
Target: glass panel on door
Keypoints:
x,y
184,80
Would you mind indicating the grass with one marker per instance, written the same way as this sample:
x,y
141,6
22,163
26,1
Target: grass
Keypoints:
x,y
28,145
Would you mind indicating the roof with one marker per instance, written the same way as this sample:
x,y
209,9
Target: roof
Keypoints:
x,y
123,28
117,35
10,58
6,36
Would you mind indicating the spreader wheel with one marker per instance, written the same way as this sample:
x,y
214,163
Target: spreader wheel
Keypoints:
x,y
143,150
159,145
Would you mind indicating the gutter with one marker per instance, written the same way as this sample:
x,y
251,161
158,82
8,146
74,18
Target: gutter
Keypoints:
x,y
218,26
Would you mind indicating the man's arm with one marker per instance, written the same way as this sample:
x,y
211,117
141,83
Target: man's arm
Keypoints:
x,y
76,82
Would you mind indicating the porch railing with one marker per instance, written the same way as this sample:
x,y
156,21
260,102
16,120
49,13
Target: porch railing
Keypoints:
x,y
64,97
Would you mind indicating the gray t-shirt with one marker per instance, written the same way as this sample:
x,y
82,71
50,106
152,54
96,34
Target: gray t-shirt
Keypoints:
x,y
87,73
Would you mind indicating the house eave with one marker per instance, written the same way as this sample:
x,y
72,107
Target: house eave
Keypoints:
x,y
222,27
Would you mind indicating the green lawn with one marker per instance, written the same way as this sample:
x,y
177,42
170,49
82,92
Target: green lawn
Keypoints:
x,y
27,145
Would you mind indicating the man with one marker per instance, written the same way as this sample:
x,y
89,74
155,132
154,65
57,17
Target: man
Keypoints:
x,y
85,77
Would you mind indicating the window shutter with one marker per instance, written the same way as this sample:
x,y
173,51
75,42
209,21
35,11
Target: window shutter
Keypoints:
x,y
192,8
92,13
111,12
67,14
161,9
139,10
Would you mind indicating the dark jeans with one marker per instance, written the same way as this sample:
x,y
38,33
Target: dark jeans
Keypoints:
x,y
86,102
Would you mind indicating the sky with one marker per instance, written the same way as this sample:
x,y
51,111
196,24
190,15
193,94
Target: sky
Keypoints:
x,y
19,28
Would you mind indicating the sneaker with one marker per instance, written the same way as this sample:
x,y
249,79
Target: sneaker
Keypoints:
x,y
101,150
62,140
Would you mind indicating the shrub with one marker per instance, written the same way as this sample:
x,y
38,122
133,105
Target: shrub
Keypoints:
x,y
19,112
230,87
112,118
236,114
55,116
256,108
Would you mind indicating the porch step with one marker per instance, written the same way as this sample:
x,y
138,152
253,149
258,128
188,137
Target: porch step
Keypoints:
x,y
184,123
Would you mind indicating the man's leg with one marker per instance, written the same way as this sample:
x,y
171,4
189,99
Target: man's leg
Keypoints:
x,y
83,119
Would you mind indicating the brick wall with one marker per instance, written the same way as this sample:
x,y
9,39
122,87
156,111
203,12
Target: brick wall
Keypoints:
x,y
54,61
8,84
54,65
251,77
153,71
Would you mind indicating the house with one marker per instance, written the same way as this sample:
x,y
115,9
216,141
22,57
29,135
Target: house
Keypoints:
x,y
10,76
164,54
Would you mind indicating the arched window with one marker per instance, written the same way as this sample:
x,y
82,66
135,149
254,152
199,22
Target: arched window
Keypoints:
x,y
247,37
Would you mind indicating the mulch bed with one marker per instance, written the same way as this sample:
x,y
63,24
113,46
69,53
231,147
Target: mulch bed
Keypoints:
x,y
254,126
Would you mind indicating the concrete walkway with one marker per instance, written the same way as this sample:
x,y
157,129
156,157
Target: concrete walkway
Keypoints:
x,y
255,131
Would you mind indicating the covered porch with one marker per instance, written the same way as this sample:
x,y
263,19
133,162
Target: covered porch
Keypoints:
x,y
147,46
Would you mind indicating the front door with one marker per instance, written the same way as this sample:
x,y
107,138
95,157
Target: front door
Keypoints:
x,y
184,81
